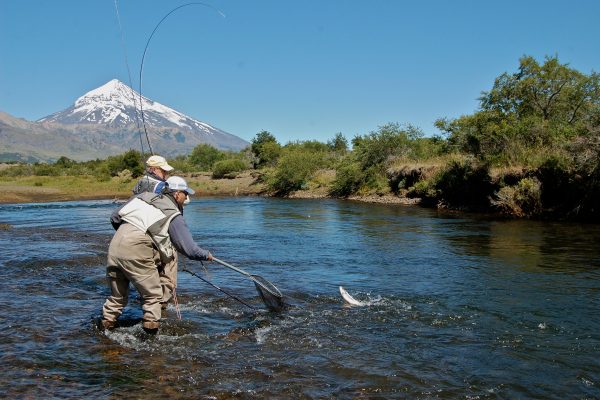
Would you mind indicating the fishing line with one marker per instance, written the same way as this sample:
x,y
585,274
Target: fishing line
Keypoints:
x,y
146,49
216,287
133,97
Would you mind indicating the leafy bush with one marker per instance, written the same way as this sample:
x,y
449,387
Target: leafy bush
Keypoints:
x,y
339,144
266,149
204,156
388,141
521,200
349,177
294,168
539,109
228,168
465,183
425,190
561,193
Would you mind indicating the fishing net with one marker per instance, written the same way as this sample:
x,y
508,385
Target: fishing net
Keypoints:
x,y
269,294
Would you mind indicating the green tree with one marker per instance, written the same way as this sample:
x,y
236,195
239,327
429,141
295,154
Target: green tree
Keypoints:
x,y
265,149
338,144
204,156
294,168
132,160
537,109
390,140
551,91
64,162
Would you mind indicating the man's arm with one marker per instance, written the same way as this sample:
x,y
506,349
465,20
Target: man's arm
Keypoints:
x,y
183,241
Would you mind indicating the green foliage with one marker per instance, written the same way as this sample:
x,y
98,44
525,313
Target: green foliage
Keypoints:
x,y
349,177
266,149
339,144
294,168
64,162
521,200
204,156
541,108
130,160
182,164
464,182
425,190
228,168
379,146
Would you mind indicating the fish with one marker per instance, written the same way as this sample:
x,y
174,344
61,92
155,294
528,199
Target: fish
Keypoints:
x,y
349,299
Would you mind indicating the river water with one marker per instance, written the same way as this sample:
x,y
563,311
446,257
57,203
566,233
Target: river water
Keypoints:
x,y
456,306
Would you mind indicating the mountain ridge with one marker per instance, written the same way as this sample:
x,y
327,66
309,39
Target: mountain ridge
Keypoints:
x,y
106,121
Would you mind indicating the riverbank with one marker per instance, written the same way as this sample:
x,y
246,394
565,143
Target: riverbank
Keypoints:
x,y
40,189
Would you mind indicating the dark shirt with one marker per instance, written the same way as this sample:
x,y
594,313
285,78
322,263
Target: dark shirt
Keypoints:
x,y
150,182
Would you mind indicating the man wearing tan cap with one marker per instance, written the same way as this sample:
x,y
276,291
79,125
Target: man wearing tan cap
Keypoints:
x,y
153,181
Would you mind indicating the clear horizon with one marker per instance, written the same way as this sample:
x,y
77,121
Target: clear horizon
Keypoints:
x,y
300,70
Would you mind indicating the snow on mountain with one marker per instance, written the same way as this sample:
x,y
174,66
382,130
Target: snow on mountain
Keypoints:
x,y
115,107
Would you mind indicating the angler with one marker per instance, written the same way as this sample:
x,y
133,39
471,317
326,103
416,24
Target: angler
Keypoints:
x,y
154,180
150,230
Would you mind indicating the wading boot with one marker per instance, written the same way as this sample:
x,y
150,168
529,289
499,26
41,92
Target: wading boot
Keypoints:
x,y
150,327
107,325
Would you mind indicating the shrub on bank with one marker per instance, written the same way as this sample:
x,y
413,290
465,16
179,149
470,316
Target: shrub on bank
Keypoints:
x,y
465,183
228,168
348,178
521,200
293,170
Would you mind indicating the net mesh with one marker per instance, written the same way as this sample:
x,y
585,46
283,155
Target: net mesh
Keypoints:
x,y
269,294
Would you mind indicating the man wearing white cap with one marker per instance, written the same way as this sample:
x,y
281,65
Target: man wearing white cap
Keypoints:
x,y
153,181
150,230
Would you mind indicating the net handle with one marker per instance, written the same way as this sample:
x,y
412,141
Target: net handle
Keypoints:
x,y
223,263
236,269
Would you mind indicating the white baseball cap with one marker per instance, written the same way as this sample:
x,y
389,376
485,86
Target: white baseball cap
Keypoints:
x,y
159,162
177,183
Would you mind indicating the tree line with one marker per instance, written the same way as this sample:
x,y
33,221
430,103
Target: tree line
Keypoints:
x,y
531,149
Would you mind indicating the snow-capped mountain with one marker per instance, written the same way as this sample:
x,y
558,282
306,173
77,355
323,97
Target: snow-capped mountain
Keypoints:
x,y
105,122
114,108
117,105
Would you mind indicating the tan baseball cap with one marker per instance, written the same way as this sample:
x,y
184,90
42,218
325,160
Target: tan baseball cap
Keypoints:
x,y
159,162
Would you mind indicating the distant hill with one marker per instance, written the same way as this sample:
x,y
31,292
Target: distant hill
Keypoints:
x,y
107,121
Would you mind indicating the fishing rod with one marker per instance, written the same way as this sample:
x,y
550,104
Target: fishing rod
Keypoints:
x,y
146,49
141,109
133,97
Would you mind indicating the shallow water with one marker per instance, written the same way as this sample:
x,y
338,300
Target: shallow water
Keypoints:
x,y
457,306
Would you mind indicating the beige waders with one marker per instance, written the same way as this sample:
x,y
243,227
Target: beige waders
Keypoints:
x,y
133,258
168,280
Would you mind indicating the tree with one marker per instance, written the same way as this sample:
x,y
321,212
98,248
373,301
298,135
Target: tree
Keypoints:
x,y
265,149
390,140
551,91
132,160
64,162
204,156
539,108
339,143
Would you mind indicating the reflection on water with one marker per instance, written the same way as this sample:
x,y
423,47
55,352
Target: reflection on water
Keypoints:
x,y
456,306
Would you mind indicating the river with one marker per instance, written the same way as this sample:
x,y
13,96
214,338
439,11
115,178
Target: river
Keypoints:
x,y
456,306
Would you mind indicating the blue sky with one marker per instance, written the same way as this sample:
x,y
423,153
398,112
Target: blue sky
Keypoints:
x,y
302,70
